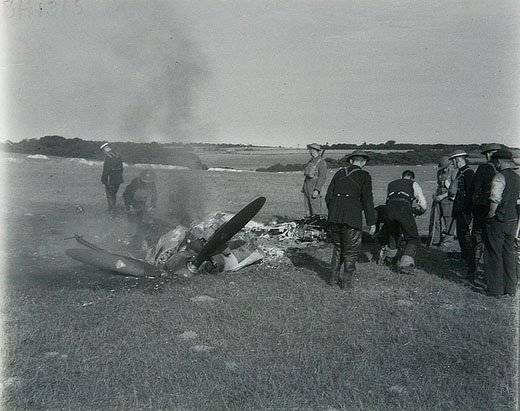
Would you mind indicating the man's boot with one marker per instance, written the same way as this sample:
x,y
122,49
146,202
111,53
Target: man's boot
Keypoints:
x,y
345,280
335,266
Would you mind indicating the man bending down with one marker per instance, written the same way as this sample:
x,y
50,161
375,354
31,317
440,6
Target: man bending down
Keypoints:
x,y
401,213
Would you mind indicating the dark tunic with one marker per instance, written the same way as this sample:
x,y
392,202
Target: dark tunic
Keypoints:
x,y
112,170
348,195
480,189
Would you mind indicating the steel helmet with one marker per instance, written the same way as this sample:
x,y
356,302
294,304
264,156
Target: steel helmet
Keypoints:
x,y
147,176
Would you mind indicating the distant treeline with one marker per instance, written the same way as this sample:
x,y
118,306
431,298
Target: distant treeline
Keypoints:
x,y
132,153
419,154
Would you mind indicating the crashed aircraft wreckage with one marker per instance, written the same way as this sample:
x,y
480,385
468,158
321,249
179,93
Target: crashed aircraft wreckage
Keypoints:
x,y
221,242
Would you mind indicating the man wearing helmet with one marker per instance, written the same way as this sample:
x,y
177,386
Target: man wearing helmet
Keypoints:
x,y
112,176
479,191
459,190
501,226
140,196
349,195
315,175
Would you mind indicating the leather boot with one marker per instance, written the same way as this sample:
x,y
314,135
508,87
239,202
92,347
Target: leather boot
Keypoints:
x,y
345,280
335,266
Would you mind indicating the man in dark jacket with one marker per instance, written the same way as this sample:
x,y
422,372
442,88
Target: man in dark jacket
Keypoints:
x,y
402,194
112,176
479,191
348,195
459,190
502,220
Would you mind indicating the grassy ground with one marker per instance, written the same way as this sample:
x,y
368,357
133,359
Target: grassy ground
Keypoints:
x,y
273,336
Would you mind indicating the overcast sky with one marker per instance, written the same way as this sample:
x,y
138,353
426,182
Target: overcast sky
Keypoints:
x,y
263,72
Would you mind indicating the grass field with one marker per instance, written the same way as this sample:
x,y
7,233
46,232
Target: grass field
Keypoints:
x,y
273,336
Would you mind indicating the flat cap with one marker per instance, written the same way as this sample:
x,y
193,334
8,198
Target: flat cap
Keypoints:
x,y
502,153
358,153
491,147
315,146
457,153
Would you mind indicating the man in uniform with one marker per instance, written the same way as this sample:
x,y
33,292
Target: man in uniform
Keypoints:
x,y
502,218
479,192
112,176
400,213
459,190
442,203
315,175
348,195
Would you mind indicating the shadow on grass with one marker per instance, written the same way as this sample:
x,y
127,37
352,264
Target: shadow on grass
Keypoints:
x,y
303,258
445,264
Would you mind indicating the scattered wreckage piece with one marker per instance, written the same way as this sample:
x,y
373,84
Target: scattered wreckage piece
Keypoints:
x,y
114,262
310,229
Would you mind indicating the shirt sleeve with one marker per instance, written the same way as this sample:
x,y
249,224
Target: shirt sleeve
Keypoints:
x,y
419,195
322,174
497,188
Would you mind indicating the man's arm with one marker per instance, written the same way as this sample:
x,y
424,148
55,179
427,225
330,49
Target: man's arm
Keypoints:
x,y
367,200
322,175
104,174
419,195
497,188
330,190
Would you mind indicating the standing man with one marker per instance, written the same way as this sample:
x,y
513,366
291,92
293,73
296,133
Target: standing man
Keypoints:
x,y
502,218
112,176
348,195
480,190
442,203
315,175
459,190
401,213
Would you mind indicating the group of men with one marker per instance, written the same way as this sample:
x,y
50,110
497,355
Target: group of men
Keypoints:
x,y
485,209
140,196
483,206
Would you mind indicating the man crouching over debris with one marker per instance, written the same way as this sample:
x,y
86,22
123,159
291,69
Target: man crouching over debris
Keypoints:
x,y
400,213
349,193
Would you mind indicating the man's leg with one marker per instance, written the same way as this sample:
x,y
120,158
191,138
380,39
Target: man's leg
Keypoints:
x,y
336,261
315,205
412,239
508,257
493,262
464,236
351,246
477,242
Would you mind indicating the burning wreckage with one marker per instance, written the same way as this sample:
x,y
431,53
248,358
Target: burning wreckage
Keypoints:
x,y
220,242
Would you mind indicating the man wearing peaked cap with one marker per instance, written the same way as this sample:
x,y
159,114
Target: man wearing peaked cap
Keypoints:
x,y
349,195
479,192
501,227
112,175
315,175
460,192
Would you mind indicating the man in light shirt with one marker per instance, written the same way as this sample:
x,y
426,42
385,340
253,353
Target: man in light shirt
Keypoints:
x,y
400,213
501,227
